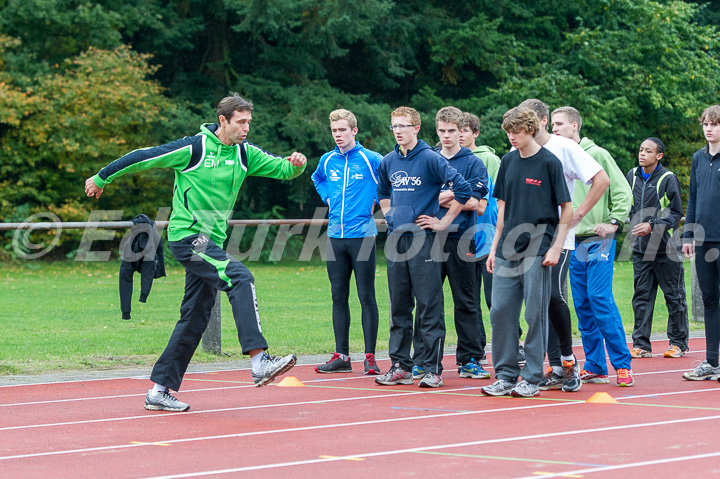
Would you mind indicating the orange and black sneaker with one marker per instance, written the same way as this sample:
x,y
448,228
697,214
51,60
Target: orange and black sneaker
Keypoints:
x,y
674,352
625,377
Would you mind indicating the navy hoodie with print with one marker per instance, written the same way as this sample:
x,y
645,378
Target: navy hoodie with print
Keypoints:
x,y
413,183
473,170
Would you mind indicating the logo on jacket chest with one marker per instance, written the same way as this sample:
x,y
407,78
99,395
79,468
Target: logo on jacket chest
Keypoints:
x,y
400,179
334,174
210,160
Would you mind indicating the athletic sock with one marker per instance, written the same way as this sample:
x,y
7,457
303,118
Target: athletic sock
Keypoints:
x,y
568,358
158,389
344,357
256,361
557,370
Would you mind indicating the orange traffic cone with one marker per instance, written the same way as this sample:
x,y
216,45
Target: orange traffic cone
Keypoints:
x,y
601,398
290,382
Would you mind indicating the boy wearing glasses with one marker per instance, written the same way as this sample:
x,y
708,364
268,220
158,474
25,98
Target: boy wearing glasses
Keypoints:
x,y
458,248
410,179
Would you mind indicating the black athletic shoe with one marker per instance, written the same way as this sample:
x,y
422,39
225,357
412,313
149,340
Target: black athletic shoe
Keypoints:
x,y
571,376
521,355
550,381
335,365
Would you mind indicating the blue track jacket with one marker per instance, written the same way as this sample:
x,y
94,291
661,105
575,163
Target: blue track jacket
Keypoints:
x,y
413,183
347,183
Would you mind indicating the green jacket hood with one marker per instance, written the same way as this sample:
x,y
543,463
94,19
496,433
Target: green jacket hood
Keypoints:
x,y
484,149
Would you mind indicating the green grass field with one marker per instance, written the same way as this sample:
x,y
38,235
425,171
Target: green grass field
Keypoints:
x,y
66,315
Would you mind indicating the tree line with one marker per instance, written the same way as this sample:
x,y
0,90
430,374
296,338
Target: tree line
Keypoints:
x,y
82,83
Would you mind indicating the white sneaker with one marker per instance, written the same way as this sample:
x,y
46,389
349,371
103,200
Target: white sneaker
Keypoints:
x,y
271,367
164,401
702,372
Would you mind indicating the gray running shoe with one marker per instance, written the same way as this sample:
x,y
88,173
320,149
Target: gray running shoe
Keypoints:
x,y
164,401
396,375
431,380
550,381
525,389
703,371
500,387
271,367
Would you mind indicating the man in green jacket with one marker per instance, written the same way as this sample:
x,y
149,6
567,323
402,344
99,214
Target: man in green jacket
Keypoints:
x,y
591,265
209,170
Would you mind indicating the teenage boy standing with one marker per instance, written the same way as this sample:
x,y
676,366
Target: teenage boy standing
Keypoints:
x,y
346,180
486,219
409,182
591,263
209,170
702,226
577,165
459,265
528,242
654,217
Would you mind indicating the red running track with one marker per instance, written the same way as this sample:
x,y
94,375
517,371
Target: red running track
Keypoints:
x,y
345,426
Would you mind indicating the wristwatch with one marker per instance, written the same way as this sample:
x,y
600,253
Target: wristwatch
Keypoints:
x,y
614,222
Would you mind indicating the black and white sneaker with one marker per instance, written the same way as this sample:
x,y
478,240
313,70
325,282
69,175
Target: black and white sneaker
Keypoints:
x,y
271,367
336,364
551,380
164,401
571,376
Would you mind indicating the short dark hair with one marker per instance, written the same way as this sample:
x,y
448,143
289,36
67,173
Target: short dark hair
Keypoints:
x,y
658,142
473,122
232,103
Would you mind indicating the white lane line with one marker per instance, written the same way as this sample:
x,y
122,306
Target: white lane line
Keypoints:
x,y
147,377
626,466
287,430
301,403
245,386
221,386
448,446
241,408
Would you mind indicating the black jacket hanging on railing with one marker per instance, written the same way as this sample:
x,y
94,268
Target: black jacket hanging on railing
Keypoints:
x,y
142,252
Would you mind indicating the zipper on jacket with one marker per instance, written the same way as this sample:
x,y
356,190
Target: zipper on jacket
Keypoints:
x,y
342,205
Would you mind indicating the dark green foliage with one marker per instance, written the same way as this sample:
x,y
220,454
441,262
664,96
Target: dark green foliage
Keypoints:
x,y
83,82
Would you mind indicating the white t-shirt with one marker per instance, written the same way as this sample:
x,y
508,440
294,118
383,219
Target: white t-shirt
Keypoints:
x,y
577,165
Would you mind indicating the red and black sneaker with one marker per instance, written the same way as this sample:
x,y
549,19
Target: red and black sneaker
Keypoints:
x,y
335,365
371,367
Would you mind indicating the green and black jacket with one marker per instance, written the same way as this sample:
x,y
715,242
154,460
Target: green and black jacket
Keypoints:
x,y
208,176
657,201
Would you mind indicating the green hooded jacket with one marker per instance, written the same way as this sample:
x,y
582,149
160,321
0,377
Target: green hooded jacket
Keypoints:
x,y
208,176
491,160
615,202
